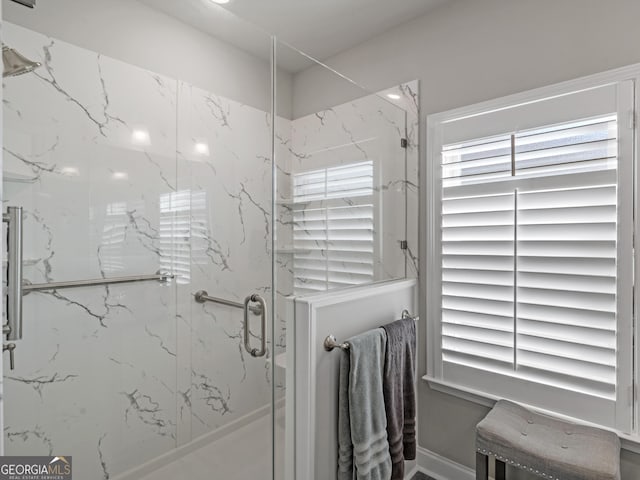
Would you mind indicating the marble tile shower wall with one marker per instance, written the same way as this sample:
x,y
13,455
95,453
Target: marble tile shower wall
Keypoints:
x,y
124,172
366,129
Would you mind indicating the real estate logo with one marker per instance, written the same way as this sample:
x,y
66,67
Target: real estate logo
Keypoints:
x,y
35,468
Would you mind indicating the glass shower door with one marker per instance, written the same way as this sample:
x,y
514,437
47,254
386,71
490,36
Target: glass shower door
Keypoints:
x,y
89,156
123,172
224,167
346,173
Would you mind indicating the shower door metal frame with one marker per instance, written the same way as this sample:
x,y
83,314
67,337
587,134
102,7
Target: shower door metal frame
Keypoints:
x,y
274,186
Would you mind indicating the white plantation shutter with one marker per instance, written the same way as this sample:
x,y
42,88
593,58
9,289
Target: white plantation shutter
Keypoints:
x,y
534,226
566,287
477,280
333,227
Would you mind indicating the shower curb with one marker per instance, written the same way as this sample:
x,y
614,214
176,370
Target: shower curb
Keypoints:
x,y
179,452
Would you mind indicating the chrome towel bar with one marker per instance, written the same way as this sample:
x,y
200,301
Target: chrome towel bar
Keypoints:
x,y
161,277
16,287
331,343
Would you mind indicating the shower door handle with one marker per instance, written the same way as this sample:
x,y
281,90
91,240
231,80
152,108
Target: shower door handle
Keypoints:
x,y
254,352
13,327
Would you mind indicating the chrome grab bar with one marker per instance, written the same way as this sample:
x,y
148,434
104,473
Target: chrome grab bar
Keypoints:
x,y
254,352
161,277
201,296
13,218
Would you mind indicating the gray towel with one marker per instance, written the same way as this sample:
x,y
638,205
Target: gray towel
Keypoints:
x,y
399,393
363,450
345,447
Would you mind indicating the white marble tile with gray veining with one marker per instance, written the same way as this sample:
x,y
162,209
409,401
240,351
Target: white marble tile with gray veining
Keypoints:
x,y
224,150
367,129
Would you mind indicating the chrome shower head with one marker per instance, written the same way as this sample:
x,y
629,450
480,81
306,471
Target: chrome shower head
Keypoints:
x,y
26,3
15,63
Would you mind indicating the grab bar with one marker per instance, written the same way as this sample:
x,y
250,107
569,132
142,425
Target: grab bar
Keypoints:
x,y
161,277
13,218
331,343
201,296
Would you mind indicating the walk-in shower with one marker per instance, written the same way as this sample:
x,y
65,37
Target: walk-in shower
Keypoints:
x,y
172,211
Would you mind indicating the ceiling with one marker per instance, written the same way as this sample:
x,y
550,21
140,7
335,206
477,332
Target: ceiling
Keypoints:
x,y
320,28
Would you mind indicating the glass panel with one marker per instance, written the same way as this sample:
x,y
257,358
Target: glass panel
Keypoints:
x,y
346,176
89,158
224,166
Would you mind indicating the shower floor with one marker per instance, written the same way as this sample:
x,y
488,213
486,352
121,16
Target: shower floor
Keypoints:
x,y
240,455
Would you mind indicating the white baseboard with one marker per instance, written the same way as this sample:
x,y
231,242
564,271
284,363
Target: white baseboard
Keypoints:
x,y
410,469
442,468
412,472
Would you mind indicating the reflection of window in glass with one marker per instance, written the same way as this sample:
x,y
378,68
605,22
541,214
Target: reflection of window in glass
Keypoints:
x,y
333,227
202,242
116,208
175,221
112,245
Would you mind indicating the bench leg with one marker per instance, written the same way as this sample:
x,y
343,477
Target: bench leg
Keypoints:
x,y
500,470
482,466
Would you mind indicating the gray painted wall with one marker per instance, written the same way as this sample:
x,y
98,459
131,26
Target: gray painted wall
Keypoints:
x,y
137,34
465,52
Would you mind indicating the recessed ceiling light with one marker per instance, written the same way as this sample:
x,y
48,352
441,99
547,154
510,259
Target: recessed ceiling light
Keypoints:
x,y
221,2
393,96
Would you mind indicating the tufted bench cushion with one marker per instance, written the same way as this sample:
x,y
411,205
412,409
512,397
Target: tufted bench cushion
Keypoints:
x,y
547,446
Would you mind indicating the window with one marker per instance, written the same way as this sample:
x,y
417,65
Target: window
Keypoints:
x,y
531,295
333,234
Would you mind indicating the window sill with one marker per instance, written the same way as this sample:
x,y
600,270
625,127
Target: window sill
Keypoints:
x,y
628,442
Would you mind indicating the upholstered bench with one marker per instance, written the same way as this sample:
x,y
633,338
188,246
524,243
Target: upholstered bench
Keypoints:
x,y
546,446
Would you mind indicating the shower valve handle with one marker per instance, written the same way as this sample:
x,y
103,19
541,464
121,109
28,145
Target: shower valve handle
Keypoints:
x,y
11,347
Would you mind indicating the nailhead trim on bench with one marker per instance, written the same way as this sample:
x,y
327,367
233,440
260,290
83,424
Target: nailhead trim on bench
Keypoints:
x,y
511,462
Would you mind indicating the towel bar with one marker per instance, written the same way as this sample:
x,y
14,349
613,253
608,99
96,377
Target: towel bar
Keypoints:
x,y
160,276
330,341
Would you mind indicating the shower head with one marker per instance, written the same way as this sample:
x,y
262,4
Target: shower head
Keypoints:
x,y
26,3
16,64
